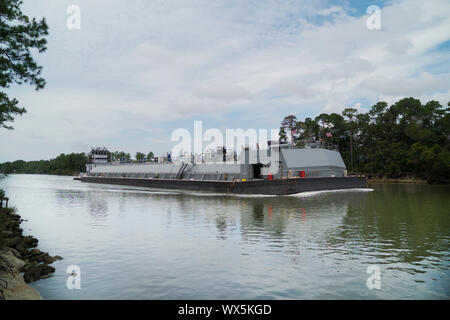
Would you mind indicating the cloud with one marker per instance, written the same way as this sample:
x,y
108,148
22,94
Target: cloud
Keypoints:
x,y
330,11
134,71
227,92
399,46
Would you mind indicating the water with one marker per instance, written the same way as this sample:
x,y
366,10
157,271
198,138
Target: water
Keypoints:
x,y
133,243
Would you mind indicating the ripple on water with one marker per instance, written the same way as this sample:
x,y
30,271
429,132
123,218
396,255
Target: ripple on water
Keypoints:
x,y
136,243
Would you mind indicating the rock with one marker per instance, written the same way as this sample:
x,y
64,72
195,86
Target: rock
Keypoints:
x,y
21,248
27,266
36,272
30,241
18,289
15,216
15,253
12,242
35,252
21,255
7,233
43,257
35,258
12,225
48,260
14,262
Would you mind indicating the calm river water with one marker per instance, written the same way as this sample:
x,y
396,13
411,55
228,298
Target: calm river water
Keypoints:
x,y
133,243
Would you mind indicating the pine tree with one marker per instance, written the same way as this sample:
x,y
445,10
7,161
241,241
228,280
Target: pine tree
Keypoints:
x,y
18,35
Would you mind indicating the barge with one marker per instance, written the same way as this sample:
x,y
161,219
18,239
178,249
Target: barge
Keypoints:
x,y
280,169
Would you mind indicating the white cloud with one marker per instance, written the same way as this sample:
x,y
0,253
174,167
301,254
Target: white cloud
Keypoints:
x,y
144,66
330,11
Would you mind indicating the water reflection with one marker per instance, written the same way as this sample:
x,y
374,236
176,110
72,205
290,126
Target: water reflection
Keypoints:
x,y
307,246
69,197
407,230
98,206
404,225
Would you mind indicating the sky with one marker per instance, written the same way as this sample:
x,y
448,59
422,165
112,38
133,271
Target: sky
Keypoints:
x,y
137,70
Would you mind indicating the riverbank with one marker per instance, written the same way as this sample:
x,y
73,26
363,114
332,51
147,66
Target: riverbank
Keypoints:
x,y
20,261
396,180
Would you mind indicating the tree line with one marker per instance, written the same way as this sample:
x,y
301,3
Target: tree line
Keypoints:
x,y
405,139
62,165
65,164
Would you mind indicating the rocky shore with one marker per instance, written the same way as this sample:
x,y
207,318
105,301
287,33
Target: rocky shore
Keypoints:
x,y
20,261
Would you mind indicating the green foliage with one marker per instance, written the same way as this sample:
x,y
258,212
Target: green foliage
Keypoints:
x,y
18,35
139,156
61,165
2,226
407,139
118,155
3,211
282,134
3,222
150,156
288,124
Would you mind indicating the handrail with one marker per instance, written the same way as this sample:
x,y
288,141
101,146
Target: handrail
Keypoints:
x,y
181,170
318,145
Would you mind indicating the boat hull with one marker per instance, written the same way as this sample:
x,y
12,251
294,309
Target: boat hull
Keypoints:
x,y
267,187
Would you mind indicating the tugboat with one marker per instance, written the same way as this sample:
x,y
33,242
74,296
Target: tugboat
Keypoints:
x,y
281,169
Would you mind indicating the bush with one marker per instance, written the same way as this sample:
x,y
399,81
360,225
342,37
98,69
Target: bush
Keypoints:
x,y
3,211
2,226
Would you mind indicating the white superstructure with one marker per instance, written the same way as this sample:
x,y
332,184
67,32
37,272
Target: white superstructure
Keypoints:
x,y
275,162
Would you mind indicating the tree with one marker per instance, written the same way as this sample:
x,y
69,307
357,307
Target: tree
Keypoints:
x,y
120,156
63,165
323,120
150,156
350,113
282,135
406,139
289,123
18,35
139,156
310,130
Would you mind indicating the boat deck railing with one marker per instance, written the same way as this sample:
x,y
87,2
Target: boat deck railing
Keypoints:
x,y
317,145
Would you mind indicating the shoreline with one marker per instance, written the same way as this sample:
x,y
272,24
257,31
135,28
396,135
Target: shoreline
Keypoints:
x,y
397,180
20,260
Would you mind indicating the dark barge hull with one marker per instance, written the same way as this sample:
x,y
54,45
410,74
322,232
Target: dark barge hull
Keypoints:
x,y
267,187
